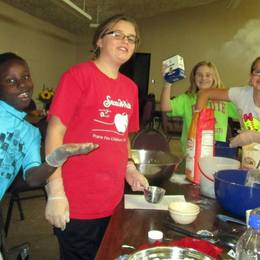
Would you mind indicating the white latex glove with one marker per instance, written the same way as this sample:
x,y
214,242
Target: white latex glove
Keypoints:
x,y
60,155
135,179
57,208
244,138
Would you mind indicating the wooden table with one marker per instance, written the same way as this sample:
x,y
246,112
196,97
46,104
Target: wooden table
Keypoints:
x,y
130,226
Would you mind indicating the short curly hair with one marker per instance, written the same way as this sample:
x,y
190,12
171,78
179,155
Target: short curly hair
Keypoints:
x,y
9,56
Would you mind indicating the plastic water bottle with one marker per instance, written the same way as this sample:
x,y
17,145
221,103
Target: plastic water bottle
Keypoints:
x,y
248,245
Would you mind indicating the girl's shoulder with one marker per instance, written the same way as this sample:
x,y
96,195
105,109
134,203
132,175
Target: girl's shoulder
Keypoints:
x,y
245,90
184,99
187,96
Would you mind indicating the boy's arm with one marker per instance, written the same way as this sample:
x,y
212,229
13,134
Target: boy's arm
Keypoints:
x,y
212,93
37,175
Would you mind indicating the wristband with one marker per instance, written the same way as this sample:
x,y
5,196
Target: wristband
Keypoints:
x,y
131,160
131,164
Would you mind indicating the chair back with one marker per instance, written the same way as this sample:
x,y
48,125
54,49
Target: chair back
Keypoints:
x,y
172,126
150,139
233,128
148,111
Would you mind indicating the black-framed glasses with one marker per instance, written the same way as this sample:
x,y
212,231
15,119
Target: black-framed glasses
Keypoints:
x,y
256,72
121,36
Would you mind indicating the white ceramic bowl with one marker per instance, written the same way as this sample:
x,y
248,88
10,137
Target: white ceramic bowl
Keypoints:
x,y
183,212
183,207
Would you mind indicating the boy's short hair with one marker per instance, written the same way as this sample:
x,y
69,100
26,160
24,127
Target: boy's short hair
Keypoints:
x,y
9,56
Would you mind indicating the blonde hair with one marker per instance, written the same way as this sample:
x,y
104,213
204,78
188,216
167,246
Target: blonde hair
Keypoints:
x,y
106,25
217,83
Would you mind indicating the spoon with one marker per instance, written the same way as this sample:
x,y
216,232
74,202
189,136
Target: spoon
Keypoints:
x,y
226,218
127,246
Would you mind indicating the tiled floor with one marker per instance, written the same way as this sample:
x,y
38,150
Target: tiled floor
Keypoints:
x,y
35,229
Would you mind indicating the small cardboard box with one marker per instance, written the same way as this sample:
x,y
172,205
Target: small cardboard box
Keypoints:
x,y
174,69
250,157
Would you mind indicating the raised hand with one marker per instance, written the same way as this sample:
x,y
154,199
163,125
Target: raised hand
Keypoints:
x,y
61,154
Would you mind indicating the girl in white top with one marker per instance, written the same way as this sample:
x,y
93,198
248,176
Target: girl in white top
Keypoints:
x,y
247,101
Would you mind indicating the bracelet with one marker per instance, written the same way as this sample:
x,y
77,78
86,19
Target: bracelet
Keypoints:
x,y
131,164
131,160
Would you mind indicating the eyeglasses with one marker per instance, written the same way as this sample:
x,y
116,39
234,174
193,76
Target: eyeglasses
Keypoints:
x,y
121,36
256,72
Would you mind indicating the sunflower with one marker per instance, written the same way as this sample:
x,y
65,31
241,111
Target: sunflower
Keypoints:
x,y
46,94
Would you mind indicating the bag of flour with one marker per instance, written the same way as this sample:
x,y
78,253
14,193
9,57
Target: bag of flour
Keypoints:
x,y
200,142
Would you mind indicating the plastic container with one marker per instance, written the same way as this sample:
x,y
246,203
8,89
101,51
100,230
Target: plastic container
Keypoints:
x,y
248,245
155,235
208,167
222,149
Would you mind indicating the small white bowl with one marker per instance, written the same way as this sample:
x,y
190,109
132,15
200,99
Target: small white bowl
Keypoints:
x,y
183,207
183,212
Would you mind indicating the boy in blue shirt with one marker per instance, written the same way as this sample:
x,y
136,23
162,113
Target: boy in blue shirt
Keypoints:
x,y
19,140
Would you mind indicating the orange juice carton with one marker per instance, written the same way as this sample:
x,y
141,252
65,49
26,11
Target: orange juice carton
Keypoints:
x,y
174,69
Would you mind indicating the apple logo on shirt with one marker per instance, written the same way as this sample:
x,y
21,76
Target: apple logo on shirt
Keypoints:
x,y
121,122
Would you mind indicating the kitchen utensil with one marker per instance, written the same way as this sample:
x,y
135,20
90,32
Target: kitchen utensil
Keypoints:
x,y
154,165
208,166
183,212
233,195
221,239
226,218
127,246
168,252
154,194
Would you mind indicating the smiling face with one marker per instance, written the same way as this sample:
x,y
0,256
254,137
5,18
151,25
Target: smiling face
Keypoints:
x,y
204,77
16,86
116,45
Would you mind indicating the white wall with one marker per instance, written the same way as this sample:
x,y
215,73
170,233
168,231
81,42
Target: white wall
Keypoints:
x,y
48,49
229,37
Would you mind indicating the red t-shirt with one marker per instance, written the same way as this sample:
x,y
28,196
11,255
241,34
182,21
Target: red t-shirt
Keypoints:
x,y
98,109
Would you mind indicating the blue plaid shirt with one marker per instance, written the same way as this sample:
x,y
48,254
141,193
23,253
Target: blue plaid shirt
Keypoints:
x,y
19,145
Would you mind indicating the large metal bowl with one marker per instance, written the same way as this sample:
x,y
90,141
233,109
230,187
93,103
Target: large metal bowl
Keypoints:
x,y
168,252
156,166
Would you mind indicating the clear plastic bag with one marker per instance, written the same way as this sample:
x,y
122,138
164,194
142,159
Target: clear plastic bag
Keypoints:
x,y
252,178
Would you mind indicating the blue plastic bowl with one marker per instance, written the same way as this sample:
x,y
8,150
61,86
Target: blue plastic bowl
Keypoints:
x,y
222,149
233,195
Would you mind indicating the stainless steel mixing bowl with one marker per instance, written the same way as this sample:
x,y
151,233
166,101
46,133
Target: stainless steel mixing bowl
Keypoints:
x,y
168,253
154,165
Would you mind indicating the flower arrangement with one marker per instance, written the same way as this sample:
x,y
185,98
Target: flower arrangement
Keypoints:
x,y
45,96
